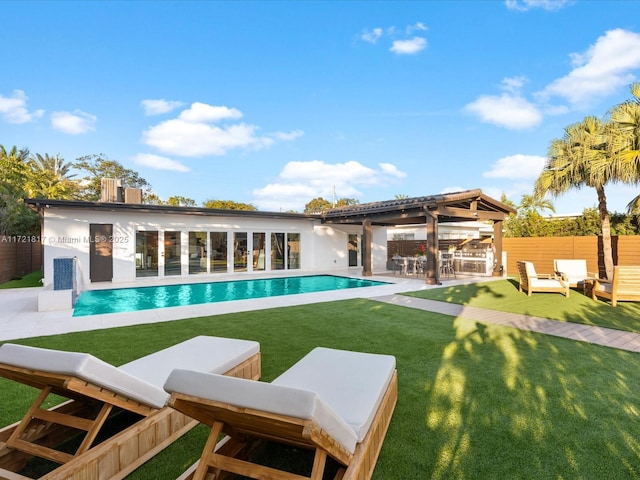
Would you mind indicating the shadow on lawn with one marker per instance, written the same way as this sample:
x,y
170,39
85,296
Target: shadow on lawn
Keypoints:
x,y
504,403
503,295
475,401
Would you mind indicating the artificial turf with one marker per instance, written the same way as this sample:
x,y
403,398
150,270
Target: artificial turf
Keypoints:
x,y
476,401
503,295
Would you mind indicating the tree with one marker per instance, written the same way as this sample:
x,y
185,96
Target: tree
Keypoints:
x,y
228,205
533,204
180,201
50,178
14,170
577,160
15,217
318,204
343,202
99,168
625,132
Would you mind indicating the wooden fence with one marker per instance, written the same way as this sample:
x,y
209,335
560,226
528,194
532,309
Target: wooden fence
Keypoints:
x,y
19,255
543,250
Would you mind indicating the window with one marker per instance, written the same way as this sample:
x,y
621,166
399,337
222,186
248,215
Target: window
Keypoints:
x,y
277,251
258,251
197,253
218,257
172,251
146,254
293,251
240,251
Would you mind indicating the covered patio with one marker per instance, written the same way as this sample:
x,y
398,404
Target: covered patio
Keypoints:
x,y
430,210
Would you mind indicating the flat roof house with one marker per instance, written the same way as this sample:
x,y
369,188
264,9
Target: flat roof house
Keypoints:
x,y
123,242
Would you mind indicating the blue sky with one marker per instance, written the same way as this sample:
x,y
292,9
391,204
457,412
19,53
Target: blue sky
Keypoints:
x,y
276,103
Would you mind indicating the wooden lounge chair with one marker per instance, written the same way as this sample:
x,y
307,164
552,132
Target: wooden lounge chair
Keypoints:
x,y
335,403
75,440
625,285
530,281
573,271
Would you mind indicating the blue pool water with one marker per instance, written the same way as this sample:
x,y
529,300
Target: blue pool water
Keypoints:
x,y
95,302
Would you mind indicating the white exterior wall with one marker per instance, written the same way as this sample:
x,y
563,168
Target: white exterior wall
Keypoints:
x,y
66,234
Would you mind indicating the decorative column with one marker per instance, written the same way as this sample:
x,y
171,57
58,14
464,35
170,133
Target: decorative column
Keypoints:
x,y
433,269
366,248
498,268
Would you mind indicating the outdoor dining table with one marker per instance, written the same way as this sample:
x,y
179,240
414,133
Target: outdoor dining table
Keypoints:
x,y
409,265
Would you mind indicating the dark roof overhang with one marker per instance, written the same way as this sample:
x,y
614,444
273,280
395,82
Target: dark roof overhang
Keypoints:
x,y
39,204
448,207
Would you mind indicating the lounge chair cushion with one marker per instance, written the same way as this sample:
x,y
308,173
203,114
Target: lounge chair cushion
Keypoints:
x,y
536,282
575,271
267,397
352,383
140,380
203,354
341,390
83,366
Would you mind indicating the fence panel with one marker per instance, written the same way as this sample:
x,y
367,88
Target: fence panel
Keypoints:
x,y
18,256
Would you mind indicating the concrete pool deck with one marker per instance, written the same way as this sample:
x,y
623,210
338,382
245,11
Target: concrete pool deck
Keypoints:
x,y
20,318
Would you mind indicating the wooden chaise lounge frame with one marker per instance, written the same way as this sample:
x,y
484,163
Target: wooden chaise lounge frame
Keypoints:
x,y
247,428
88,408
625,285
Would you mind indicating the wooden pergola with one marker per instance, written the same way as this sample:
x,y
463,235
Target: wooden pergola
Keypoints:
x,y
431,210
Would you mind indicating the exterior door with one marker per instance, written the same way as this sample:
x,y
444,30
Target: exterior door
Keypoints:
x,y
101,252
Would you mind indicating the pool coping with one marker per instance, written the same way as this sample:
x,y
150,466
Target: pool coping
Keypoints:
x,y
21,318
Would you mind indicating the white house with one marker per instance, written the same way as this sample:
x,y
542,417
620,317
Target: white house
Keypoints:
x,y
120,242
126,241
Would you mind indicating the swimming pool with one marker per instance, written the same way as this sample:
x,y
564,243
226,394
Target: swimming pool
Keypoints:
x,y
93,302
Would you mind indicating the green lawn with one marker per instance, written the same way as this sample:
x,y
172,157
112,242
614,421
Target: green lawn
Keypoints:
x,y
33,279
475,401
503,295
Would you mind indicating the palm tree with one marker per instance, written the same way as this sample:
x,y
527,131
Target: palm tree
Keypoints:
x,y
13,170
582,157
625,134
533,204
50,178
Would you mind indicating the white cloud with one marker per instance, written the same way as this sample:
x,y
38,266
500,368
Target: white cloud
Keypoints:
x,y
409,47
391,170
286,136
188,139
517,166
418,26
158,107
201,112
513,84
192,133
401,44
14,108
159,163
73,123
602,69
372,36
507,110
524,5
299,182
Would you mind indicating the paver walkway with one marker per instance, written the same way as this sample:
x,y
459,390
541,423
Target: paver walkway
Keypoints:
x,y
608,337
